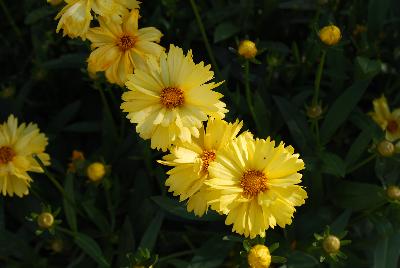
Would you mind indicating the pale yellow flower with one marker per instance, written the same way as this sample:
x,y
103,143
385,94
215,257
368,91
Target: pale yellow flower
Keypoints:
x,y
191,161
388,121
120,48
170,98
254,184
18,144
76,16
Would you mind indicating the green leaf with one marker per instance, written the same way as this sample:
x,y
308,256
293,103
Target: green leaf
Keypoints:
x,y
358,147
358,196
366,68
64,116
179,209
211,254
84,127
278,259
377,15
386,253
96,216
90,247
66,61
299,259
69,209
341,109
333,164
224,31
150,235
339,225
39,14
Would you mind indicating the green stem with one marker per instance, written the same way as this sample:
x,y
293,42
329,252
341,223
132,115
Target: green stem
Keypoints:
x,y
205,39
11,20
317,82
248,92
362,163
66,231
176,255
108,110
110,208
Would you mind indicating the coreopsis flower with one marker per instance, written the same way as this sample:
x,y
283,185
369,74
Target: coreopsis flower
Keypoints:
x,y
121,48
18,145
76,16
254,183
191,161
171,98
259,257
96,171
330,35
388,121
247,49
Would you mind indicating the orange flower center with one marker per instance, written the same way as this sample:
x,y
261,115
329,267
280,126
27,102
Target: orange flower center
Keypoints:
x,y
207,157
6,154
126,42
172,97
253,182
392,126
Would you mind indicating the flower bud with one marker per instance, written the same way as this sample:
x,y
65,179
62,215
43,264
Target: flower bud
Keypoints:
x,y
54,2
96,171
386,148
45,220
57,245
259,257
393,192
331,244
247,49
314,111
330,35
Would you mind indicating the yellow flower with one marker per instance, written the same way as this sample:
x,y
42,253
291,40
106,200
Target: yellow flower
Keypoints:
x,y
386,148
385,119
191,161
119,49
259,257
330,35
76,16
254,184
45,220
96,171
54,2
18,144
170,98
247,49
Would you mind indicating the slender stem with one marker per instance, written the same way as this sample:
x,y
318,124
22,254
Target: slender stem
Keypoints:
x,y
248,92
362,163
205,39
11,20
66,231
175,255
317,82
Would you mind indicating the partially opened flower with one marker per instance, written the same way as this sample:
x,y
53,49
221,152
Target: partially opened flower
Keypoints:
x,y
388,121
169,99
18,144
191,161
119,49
255,184
76,16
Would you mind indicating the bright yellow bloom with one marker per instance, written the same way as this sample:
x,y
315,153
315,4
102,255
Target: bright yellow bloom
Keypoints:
x,y
259,257
45,220
330,35
170,98
385,119
96,171
119,49
18,144
254,184
191,161
247,49
76,16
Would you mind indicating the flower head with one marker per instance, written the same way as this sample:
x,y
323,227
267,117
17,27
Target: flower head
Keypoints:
x,y
386,148
121,48
247,49
76,16
331,244
388,121
191,162
330,35
259,257
169,99
18,145
45,220
254,184
96,171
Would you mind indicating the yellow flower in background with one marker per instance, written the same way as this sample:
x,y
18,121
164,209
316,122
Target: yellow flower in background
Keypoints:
x,y
18,144
96,171
191,161
170,98
119,49
254,184
76,16
330,35
388,121
259,257
247,49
